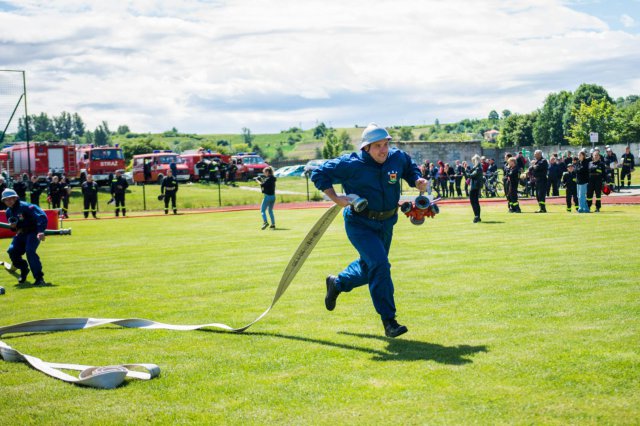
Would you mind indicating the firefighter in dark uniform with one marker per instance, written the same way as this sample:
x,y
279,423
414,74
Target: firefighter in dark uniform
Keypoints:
x,y
65,194
90,196
21,186
597,176
169,188
512,173
231,174
540,168
570,182
118,187
201,167
36,189
55,192
610,162
214,171
628,164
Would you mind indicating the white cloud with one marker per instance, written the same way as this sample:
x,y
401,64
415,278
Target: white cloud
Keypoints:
x,y
627,21
206,66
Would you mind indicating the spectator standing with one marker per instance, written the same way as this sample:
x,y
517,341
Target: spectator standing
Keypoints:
x,y
540,168
119,187
475,176
169,188
35,189
582,181
512,174
21,186
55,192
554,176
597,176
90,197
569,181
628,165
268,187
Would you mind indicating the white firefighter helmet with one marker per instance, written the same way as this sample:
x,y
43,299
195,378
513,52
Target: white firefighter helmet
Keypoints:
x,y
373,133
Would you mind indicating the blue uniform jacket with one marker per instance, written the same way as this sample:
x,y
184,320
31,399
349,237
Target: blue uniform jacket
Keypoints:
x,y
28,217
360,174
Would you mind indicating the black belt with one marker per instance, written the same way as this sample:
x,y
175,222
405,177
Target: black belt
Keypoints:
x,y
374,215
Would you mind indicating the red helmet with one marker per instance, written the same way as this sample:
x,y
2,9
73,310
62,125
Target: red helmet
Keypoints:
x,y
606,189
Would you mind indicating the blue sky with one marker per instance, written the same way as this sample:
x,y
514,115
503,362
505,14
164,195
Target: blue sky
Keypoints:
x,y
214,66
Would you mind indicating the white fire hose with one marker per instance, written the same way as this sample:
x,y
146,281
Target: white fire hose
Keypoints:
x,y
109,377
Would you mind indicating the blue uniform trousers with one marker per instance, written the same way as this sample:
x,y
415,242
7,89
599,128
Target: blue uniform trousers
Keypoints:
x,y
26,243
372,240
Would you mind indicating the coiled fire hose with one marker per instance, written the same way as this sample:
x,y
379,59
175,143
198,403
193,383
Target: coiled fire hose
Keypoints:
x,y
109,377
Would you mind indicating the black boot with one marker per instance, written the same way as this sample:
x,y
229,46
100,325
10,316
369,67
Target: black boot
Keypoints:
x,y
332,293
23,275
392,328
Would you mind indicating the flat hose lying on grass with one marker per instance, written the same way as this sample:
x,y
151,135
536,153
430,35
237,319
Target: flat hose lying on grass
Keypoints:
x,y
109,377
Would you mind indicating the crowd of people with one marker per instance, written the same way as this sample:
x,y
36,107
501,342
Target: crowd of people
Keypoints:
x,y
584,176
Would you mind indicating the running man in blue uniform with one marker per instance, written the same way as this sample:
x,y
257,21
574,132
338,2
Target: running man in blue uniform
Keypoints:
x,y
373,173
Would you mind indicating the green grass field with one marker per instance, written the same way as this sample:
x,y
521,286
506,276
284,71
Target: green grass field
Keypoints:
x,y
522,319
193,196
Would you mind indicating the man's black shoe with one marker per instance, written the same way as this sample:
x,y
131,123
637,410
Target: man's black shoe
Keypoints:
x,y
332,293
392,328
23,275
40,282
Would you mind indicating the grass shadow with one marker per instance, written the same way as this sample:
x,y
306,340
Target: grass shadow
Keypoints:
x,y
397,349
414,350
491,222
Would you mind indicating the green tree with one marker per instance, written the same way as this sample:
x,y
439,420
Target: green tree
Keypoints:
x,y
549,128
63,125
320,131
627,119
596,116
78,125
102,135
506,113
405,133
584,94
517,130
41,123
331,147
345,140
123,129
142,146
247,137
493,116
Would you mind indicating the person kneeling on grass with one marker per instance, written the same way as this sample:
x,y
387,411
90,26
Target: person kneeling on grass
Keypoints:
x,y
29,223
374,173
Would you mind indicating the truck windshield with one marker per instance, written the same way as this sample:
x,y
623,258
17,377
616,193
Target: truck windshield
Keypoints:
x,y
253,160
106,154
168,159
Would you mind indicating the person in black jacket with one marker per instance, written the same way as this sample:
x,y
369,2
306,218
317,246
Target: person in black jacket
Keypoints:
x,y
21,186
628,164
582,181
597,176
35,190
55,192
540,168
569,181
554,176
268,187
65,194
458,177
512,174
475,176
118,187
169,189
90,196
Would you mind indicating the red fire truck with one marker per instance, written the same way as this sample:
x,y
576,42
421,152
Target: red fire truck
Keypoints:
x,y
99,161
157,164
249,165
193,157
42,157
